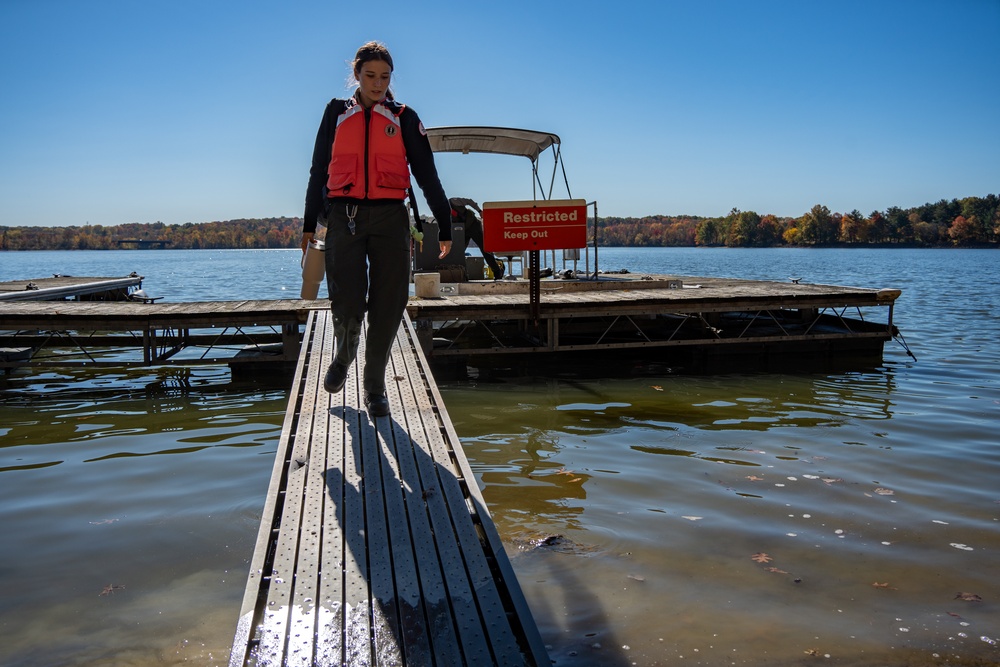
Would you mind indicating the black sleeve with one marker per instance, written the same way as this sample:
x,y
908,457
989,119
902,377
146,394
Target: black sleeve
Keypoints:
x,y
316,190
421,159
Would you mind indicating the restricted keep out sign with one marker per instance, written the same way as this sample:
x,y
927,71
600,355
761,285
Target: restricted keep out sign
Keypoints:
x,y
515,226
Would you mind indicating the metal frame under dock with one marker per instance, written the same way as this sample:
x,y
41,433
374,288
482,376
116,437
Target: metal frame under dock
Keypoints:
x,y
375,546
65,333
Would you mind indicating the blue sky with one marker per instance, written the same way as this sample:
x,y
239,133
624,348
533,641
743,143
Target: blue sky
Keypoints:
x,y
117,111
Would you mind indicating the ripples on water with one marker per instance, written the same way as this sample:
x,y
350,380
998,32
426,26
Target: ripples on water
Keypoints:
x,y
669,494
147,480
653,519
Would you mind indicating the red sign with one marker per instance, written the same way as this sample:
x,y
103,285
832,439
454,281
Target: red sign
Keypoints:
x,y
553,224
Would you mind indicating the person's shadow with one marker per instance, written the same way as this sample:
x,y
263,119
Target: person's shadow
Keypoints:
x,y
416,587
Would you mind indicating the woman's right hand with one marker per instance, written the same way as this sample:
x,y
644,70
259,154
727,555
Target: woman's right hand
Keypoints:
x,y
306,238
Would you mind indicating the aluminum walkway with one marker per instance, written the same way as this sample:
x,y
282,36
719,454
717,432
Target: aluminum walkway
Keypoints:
x,y
375,546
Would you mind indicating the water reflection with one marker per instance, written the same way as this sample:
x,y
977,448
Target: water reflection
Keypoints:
x,y
659,491
84,407
145,479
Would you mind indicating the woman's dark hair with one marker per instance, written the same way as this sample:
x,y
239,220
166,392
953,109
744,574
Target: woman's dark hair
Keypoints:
x,y
368,52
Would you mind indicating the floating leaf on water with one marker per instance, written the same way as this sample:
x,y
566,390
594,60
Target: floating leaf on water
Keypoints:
x,y
637,577
111,588
693,518
884,492
963,547
885,585
776,570
761,558
832,480
657,387
755,478
968,597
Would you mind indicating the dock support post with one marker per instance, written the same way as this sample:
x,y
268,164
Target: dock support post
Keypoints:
x,y
148,341
291,341
425,335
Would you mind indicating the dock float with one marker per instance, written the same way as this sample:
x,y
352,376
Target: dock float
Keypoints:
x,y
60,288
375,545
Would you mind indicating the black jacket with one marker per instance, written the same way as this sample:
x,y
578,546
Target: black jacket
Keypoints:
x,y
418,155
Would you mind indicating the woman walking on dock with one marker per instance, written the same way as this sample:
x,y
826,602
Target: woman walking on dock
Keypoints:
x,y
365,148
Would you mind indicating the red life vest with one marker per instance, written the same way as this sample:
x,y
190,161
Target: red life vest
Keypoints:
x,y
368,162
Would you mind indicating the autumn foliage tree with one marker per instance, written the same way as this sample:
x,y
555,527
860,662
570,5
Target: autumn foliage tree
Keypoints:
x,y
972,221
230,234
930,225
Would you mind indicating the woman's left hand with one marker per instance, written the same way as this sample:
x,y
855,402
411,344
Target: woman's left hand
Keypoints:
x,y
445,249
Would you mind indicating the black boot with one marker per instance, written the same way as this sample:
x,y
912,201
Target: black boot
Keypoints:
x,y
347,333
336,376
377,403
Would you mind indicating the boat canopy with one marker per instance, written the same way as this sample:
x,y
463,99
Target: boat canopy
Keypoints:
x,y
504,141
501,140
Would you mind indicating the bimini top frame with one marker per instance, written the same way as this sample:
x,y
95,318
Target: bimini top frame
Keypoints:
x,y
504,141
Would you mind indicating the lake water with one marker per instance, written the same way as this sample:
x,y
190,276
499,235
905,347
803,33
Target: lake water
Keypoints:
x,y
848,518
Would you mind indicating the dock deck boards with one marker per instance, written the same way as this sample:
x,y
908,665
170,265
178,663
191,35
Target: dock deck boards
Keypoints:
x,y
126,315
375,546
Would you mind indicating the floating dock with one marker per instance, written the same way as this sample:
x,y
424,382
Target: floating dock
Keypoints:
x,y
485,322
480,323
100,333
61,288
375,545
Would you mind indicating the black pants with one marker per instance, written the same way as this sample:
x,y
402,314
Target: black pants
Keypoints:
x,y
474,232
368,271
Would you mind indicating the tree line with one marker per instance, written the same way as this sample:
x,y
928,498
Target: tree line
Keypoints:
x,y
968,222
243,234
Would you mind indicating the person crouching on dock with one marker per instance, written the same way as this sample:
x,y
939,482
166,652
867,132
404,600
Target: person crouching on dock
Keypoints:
x,y
365,148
